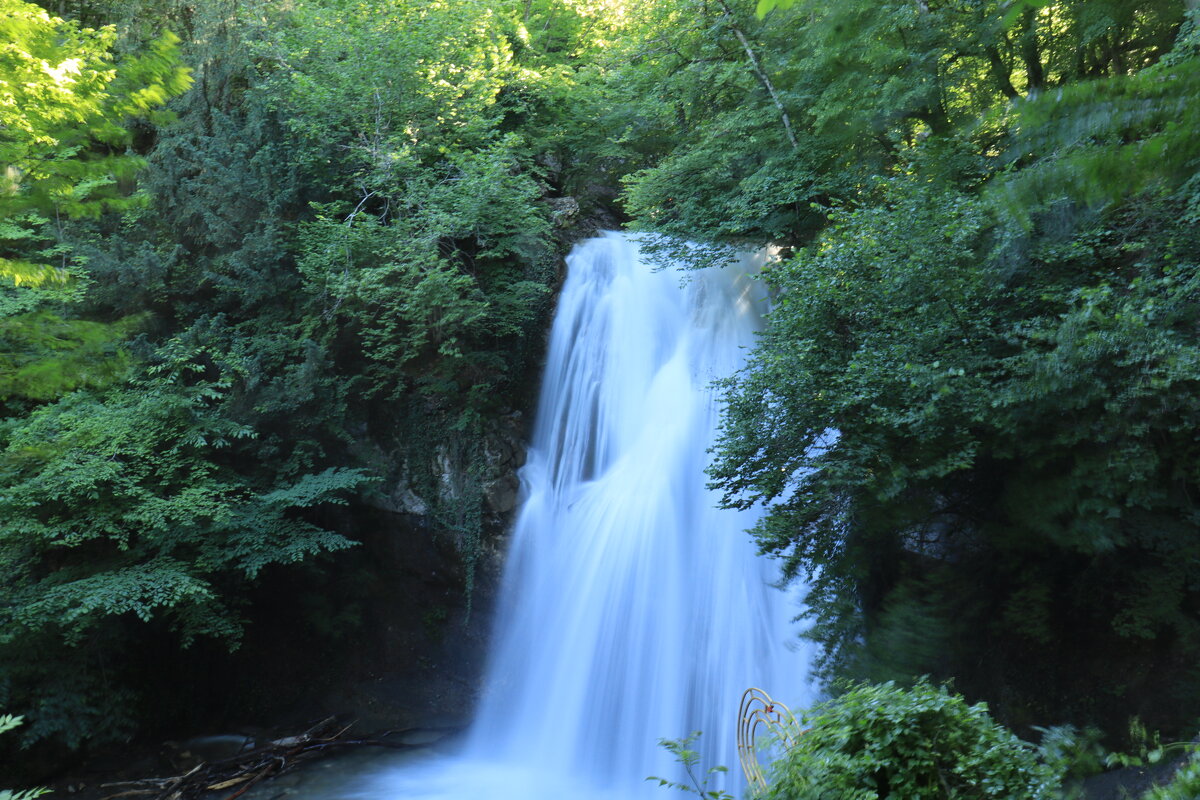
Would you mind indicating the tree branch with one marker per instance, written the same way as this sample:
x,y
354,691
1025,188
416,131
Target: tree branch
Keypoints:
x,y
762,76
1030,53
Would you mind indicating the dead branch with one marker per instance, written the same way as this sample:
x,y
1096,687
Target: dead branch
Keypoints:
x,y
247,769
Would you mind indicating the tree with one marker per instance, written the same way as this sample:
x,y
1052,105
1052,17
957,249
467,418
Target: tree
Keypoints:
x,y
339,283
970,415
65,109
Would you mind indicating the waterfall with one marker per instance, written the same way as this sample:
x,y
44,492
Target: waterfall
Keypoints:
x,y
632,609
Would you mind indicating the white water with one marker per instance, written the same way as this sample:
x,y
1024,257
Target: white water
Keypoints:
x,y
632,609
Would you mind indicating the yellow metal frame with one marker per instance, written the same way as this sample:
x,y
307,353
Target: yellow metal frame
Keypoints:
x,y
758,712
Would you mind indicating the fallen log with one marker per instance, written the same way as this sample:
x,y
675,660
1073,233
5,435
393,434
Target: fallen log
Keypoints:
x,y
245,770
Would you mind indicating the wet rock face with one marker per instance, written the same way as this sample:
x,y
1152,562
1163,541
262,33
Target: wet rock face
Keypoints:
x,y
428,633
419,654
501,494
503,455
405,501
456,474
564,211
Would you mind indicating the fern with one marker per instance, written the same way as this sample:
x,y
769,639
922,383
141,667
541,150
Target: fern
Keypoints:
x,y
7,723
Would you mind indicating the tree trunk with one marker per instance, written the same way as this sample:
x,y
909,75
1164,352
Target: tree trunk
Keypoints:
x,y
762,76
1031,54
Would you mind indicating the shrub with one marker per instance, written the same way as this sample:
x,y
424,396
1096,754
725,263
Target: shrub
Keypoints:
x,y
1184,786
884,741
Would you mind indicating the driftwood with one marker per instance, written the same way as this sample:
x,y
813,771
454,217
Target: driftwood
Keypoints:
x,y
239,773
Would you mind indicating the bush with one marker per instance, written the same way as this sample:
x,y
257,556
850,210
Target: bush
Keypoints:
x,y
884,741
1184,786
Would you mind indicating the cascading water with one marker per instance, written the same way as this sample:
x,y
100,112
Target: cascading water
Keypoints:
x,y
632,608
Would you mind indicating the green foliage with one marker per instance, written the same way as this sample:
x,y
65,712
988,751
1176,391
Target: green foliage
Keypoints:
x,y
1072,754
7,723
65,104
418,311
865,84
1145,748
765,7
432,250
723,166
690,759
117,509
970,415
904,410
1103,141
1185,785
884,741
338,283
63,107
47,356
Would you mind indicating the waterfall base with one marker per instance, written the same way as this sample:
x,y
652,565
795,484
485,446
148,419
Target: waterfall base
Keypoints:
x,y
632,609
